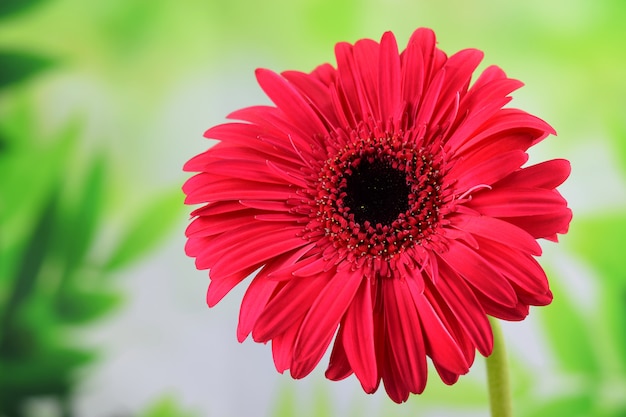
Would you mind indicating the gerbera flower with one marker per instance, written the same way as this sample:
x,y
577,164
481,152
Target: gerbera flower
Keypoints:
x,y
383,204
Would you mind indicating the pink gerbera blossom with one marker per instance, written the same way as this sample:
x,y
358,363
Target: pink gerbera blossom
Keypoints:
x,y
383,204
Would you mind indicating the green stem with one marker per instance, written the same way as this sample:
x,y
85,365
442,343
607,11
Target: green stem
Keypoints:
x,y
498,376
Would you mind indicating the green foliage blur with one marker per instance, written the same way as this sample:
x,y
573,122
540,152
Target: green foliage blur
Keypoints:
x,y
53,210
98,100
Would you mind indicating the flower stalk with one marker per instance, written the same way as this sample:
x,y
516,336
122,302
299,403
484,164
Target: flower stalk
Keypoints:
x,y
498,375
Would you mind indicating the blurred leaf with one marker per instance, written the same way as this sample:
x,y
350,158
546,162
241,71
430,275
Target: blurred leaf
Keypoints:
x,y
467,392
8,7
30,166
578,404
84,216
618,137
286,403
18,66
41,373
24,282
145,231
600,241
80,307
614,312
322,401
564,323
4,143
167,406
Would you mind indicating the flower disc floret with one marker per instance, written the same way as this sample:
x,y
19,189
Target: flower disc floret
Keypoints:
x,y
375,178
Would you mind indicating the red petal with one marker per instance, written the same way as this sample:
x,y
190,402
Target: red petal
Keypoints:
x,y
245,170
486,97
301,367
389,72
265,205
466,308
256,297
366,53
350,82
418,62
548,174
209,251
258,250
515,202
282,347
451,321
218,207
520,268
358,338
233,189
506,122
478,272
545,225
338,367
441,346
497,230
457,72
317,92
326,311
289,305
405,334
290,101
516,313
446,376
219,223
260,291
391,375
218,288
471,173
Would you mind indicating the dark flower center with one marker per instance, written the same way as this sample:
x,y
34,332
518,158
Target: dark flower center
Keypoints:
x,y
376,192
376,197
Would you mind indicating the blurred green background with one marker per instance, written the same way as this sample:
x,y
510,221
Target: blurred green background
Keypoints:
x,y
101,103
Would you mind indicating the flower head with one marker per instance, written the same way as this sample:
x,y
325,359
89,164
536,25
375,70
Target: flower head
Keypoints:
x,y
383,204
